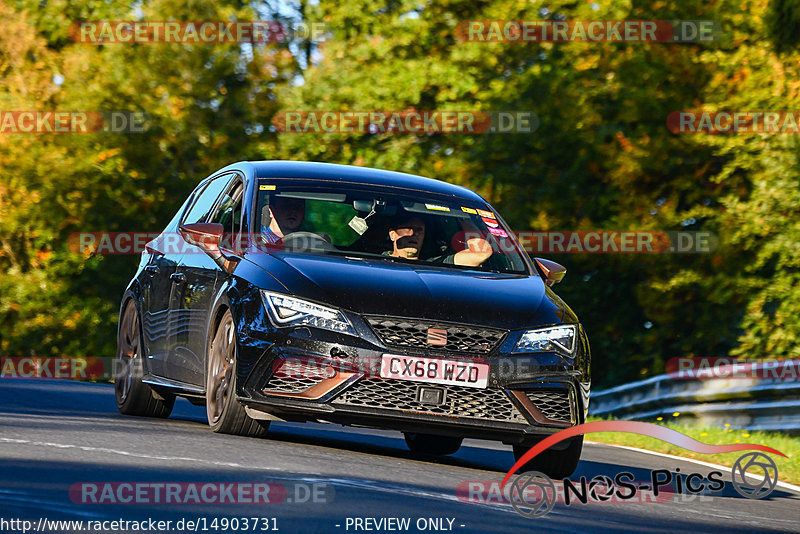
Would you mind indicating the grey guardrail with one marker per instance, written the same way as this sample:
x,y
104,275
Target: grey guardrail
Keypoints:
x,y
749,403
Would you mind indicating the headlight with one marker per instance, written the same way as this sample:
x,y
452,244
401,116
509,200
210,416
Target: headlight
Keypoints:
x,y
551,339
290,311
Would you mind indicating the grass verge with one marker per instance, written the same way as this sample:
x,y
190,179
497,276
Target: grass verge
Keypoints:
x,y
788,468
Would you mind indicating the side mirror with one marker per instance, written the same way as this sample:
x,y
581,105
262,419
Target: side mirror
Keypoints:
x,y
207,237
552,272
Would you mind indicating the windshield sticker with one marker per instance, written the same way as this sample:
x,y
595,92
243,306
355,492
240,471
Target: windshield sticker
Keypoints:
x,y
484,213
469,210
437,207
490,222
266,188
499,232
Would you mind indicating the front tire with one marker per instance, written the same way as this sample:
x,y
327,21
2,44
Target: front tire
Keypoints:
x,y
430,445
553,463
225,414
133,396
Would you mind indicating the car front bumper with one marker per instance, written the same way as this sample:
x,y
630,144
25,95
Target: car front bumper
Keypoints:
x,y
305,374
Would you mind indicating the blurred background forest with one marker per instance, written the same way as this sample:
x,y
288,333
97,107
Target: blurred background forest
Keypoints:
x,y
602,157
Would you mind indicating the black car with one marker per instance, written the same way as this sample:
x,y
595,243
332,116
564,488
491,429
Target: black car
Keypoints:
x,y
294,291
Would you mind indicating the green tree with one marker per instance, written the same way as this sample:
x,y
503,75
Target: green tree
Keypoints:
x,y
602,157
204,104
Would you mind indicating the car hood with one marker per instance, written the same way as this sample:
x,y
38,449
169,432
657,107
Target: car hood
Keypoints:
x,y
376,287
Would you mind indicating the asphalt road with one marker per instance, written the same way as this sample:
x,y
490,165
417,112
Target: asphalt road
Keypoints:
x,y
56,435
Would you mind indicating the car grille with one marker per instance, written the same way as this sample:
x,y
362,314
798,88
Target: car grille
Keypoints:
x,y
413,333
486,404
554,404
290,384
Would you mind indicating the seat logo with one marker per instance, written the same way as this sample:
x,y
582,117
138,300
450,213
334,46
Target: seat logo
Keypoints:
x,y
437,336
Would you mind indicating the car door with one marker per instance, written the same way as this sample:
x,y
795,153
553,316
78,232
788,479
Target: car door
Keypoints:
x,y
157,283
199,278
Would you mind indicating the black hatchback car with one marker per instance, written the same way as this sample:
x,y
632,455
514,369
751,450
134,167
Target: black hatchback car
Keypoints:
x,y
294,291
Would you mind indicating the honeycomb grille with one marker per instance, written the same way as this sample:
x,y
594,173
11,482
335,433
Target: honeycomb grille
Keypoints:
x,y
460,401
289,384
554,404
413,333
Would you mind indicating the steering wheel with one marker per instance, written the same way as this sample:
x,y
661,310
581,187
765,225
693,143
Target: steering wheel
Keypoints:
x,y
301,241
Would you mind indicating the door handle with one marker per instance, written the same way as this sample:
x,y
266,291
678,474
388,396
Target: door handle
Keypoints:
x,y
151,269
178,277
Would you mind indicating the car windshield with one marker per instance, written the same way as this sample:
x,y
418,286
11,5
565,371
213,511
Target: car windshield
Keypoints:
x,y
383,225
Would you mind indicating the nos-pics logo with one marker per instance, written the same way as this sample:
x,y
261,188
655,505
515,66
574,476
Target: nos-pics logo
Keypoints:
x,y
533,494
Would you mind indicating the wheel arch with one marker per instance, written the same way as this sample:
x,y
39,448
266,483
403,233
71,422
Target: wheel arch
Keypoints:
x,y
134,294
222,304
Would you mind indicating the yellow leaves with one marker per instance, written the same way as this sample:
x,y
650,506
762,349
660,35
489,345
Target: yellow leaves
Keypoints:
x,y
626,145
541,222
586,63
740,75
104,155
72,321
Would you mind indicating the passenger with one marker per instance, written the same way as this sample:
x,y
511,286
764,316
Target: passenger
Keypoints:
x,y
408,235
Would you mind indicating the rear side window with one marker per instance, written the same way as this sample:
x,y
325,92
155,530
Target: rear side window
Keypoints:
x,y
206,199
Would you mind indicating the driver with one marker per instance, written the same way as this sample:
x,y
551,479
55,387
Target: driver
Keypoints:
x,y
286,216
408,234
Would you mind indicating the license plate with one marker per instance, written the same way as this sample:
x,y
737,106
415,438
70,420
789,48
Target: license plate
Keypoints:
x,y
435,371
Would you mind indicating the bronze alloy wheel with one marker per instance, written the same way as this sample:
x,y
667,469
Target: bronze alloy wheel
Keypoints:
x,y
225,414
220,369
127,351
133,396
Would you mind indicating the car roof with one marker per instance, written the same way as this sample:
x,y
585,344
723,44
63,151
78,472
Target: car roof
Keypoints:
x,y
358,175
